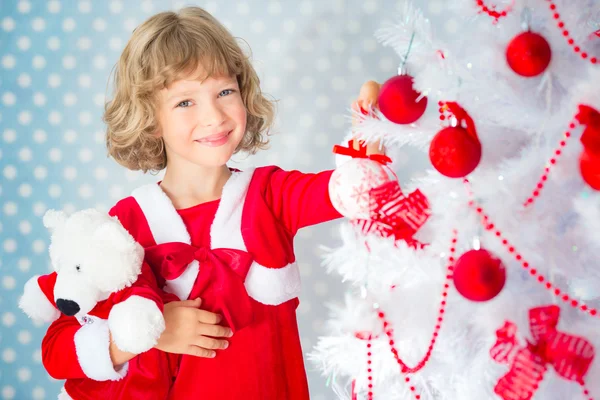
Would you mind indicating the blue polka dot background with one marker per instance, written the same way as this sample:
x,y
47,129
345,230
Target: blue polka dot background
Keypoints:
x,y
55,60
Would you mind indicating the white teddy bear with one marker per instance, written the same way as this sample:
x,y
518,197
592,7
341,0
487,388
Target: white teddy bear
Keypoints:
x,y
96,265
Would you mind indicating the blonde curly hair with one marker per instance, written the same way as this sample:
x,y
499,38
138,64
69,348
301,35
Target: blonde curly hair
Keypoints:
x,y
167,47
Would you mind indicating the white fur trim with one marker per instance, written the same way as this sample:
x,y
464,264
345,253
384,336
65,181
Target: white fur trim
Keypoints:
x,y
273,286
63,395
92,348
136,324
35,303
182,286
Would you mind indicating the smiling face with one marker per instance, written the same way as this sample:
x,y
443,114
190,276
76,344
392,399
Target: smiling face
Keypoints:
x,y
202,122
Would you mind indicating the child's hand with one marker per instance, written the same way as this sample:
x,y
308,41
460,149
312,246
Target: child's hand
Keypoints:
x,y
366,102
192,331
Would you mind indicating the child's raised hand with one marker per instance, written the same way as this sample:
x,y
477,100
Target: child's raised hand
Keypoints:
x,y
365,103
192,331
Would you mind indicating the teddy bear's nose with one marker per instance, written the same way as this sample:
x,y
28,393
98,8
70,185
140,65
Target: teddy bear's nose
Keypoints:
x,y
67,307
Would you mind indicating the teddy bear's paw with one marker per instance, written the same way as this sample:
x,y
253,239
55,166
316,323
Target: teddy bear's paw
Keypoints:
x,y
136,324
35,303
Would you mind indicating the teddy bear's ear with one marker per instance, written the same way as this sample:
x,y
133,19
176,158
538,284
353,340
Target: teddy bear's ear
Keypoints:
x,y
111,232
53,219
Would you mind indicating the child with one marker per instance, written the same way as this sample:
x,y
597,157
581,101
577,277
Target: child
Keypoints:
x,y
186,99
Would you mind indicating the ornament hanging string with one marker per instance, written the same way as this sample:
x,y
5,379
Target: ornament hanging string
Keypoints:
x,y
490,226
402,70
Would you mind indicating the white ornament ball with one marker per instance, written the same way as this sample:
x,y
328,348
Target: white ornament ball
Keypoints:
x,y
351,183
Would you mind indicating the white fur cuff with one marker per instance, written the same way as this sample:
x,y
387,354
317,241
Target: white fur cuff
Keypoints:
x,y
35,303
92,347
273,286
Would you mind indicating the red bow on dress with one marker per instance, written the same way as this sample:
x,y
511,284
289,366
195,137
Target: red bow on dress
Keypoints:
x,y
393,213
570,356
590,117
220,280
360,153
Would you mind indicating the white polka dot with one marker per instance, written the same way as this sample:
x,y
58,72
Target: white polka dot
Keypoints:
x,y
353,26
115,192
289,64
9,136
8,24
289,26
69,99
25,117
25,154
10,208
99,24
54,80
8,392
38,393
369,45
55,154
24,6
38,246
10,172
85,155
9,61
24,80
386,64
306,121
70,136
9,319
84,81
100,173
338,45
451,25
53,43
24,264
86,191
84,43
243,8
39,136
306,8
306,45
8,98
54,6
84,6
274,8
85,118
38,62
370,6
24,374
435,6
115,7
24,337
99,99
68,24
38,24
25,227
70,173
338,83
307,83
39,209
130,24
10,245
257,26
274,45
322,101
36,356
355,64
99,62
54,191
23,43
69,62
9,355
25,190
115,43
99,137
54,117
40,173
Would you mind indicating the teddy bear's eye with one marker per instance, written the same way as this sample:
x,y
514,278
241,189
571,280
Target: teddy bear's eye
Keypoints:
x,y
78,267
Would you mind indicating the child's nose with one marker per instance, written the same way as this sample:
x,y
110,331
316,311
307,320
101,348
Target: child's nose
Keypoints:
x,y
211,115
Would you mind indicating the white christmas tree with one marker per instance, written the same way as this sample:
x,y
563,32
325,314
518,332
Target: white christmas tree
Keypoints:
x,y
489,287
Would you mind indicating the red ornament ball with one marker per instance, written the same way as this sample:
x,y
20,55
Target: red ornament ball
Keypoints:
x,y
479,275
528,54
454,152
589,165
398,100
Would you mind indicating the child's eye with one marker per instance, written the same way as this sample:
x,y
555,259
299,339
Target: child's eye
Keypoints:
x,y
185,103
226,92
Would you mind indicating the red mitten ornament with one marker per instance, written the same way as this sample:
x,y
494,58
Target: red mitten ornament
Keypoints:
x,y
455,151
479,275
528,54
398,100
589,161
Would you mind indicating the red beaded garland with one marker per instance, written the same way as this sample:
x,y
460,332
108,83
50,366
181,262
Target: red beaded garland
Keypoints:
x,y
491,10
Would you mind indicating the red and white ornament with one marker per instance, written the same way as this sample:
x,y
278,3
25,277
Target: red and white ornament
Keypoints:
x,y
479,275
351,184
398,100
528,54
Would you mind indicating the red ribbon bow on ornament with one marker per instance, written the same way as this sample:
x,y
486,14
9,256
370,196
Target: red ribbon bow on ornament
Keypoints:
x,y
393,213
360,153
570,356
220,280
462,116
590,117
